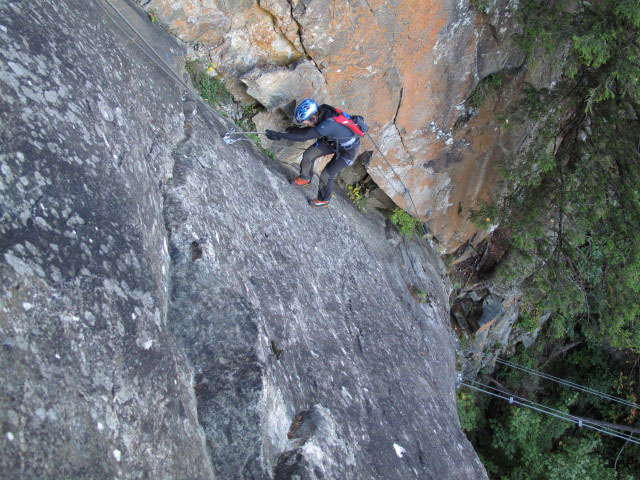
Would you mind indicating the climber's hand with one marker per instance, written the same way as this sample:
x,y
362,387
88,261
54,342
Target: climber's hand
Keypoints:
x,y
272,135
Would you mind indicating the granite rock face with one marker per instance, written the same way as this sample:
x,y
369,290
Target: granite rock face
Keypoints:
x,y
93,385
409,67
170,307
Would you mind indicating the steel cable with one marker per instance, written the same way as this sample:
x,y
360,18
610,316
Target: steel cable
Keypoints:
x,y
580,422
566,383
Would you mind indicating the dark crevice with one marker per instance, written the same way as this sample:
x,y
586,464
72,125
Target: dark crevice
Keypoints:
x,y
274,22
275,348
304,49
494,33
370,9
359,340
196,251
395,117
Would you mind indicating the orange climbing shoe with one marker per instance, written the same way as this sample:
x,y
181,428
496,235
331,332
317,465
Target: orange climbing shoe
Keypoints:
x,y
318,203
300,182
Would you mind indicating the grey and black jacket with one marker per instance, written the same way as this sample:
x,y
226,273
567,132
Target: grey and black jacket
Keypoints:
x,y
340,137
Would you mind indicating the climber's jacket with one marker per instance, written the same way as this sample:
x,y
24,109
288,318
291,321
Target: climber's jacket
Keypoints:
x,y
338,136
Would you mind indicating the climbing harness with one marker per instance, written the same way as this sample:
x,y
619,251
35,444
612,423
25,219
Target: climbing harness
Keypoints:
x,y
230,141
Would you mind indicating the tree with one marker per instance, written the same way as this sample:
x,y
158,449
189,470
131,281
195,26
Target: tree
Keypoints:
x,y
518,443
573,198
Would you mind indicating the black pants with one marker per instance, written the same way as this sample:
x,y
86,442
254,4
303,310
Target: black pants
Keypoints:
x,y
337,163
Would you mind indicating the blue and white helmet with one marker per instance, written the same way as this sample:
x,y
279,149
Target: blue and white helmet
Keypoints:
x,y
306,108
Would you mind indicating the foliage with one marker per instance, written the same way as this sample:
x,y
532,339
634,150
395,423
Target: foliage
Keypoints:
x,y
246,123
530,315
153,15
487,87
518,443
468,411
480,5
407,225
215,94
572,201
419,294
359,194
573,198
210,88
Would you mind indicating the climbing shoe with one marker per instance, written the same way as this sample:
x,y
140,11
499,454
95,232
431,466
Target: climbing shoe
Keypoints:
x,y
318,203
300,182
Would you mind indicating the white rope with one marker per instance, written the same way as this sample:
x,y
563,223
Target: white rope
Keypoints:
x,y
571,384
230,141
162,64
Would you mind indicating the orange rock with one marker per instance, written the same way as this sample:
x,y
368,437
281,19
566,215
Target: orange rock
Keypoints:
x,y
408,67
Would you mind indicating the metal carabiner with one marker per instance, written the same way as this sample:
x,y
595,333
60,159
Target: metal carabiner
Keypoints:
x,y
230,141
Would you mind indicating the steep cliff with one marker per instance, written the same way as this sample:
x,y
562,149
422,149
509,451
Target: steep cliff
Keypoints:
x,y
409,67
172,308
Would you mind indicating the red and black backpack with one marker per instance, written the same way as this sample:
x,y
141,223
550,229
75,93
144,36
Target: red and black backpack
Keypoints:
x,y
354,122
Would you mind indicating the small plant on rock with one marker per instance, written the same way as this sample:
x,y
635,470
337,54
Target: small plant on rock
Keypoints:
x,y
480,5
213,91
468,412
419,294
407,225
359,194
488,87
210,88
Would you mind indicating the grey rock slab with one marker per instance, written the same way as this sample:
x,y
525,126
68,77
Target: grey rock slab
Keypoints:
x,y
287,310
93,385
491,308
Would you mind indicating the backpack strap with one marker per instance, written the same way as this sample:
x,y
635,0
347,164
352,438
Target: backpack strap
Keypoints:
x,y
345,119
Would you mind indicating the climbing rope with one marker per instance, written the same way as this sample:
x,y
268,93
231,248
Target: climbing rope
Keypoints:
x,y
162,64
406,190
230,141
544,407
569,384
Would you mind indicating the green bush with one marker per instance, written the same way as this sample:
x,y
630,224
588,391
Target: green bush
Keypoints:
x,y
487,87
407,225
211,89
480,5
419,294
359,195
571,200
468,412
516,442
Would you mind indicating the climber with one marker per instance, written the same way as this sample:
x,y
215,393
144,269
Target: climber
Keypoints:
x,y
336,134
